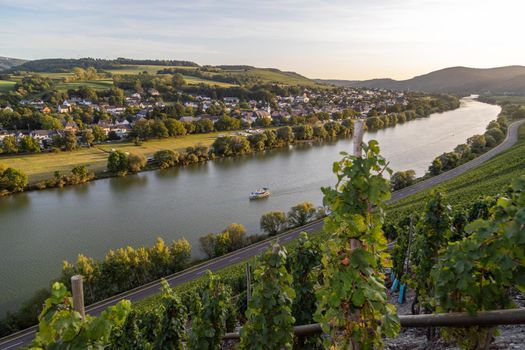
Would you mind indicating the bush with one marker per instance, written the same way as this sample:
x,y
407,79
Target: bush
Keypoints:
x,y
166,158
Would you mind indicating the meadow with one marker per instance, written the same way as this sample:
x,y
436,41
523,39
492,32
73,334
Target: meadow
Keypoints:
x,y
42,166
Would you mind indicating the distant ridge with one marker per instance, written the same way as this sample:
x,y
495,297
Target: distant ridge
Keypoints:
x,y
8,63
500,80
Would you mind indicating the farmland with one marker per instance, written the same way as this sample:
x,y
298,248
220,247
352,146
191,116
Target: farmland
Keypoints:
x,y
6,86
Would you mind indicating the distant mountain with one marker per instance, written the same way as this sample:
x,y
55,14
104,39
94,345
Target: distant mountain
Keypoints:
x,y
7,62
509,79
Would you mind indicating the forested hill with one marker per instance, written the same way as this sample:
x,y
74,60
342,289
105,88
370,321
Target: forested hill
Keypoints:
x,y
501,80
7,62
66,64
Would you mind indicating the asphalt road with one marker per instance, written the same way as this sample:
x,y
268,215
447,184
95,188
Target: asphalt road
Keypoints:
x,y
24,337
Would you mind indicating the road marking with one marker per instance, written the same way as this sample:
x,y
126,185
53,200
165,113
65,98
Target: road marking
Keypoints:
x,y
235,258
12,346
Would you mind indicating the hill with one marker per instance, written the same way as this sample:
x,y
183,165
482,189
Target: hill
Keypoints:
x,y
461,80
8,63
221,75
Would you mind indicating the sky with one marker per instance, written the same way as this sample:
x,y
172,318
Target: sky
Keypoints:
x,y
337,39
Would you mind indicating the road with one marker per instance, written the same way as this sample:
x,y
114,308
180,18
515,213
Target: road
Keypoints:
x,y
24,337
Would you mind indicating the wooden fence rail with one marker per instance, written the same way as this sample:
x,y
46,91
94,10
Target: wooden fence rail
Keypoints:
x,y
459,319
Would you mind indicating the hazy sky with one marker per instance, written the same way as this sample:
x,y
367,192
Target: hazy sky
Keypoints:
x,y
344,39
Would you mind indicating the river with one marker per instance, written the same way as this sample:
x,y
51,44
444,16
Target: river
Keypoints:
x,y
40,229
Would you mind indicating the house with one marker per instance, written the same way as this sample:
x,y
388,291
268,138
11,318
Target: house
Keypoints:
x,y
136,96
191,104
189,119
153,92
261,114
4,134
114,110
44,137
7,109
63,109
121,130
301,99
70,126
213,118
231,100
46,110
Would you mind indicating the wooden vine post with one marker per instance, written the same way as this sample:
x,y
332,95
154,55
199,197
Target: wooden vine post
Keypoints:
x,y
358,152
77,289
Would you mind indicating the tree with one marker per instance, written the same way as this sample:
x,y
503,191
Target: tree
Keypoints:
x,y
9,144
175,127
118,162
209,324
303,132
273,222
99,134
69,140
12,180
88,137
436,168
50,123
136,162
207,244
237,236
402,179
269,317
166,158
29,145
285,135
477,143
300,214
159,129
353,306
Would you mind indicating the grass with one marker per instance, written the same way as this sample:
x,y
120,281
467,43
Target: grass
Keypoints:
x,y
488,179
136,69
512,99
6,85
42,166
102,84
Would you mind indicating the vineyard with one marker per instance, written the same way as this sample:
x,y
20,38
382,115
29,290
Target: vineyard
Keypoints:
x,y
456,257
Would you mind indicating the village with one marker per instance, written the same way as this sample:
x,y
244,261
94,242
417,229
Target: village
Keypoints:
x,y
117,122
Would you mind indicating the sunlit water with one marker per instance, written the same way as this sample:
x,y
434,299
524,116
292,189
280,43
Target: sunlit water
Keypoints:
x,y
38,230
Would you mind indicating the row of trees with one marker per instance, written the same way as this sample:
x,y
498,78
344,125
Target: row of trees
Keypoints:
x,y
126,268
237,145
234,236
476,145
66,140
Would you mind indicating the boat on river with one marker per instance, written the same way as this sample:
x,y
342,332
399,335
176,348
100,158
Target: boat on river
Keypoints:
x,y
260,193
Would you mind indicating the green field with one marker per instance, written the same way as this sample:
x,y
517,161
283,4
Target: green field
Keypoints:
x,y
136,69
43,165
102,84
488,179
512,99
6,85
